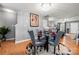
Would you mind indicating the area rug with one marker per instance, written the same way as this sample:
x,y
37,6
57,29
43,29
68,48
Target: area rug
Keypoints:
x,y
63,51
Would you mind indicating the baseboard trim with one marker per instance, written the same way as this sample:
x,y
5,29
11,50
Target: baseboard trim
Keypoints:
x,y
16,42
11,39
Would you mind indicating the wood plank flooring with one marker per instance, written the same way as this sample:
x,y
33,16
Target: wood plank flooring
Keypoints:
x,y
70,43
10,48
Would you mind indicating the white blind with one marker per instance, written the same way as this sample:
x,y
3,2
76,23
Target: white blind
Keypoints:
x,y
74,27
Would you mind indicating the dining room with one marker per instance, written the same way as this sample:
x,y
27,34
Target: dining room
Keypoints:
x,y
42,29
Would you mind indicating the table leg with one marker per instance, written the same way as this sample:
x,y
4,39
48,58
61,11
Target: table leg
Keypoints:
x,y
46,44
54,49
47,47
58,47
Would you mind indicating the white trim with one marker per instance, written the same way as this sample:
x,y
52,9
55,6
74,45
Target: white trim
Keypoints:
x,y
16,42
77,41
11,39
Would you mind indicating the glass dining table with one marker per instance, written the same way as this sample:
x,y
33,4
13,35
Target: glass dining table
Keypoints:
x,y
49,36
46,36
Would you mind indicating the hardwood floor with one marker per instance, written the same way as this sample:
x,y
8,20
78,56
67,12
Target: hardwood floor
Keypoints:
x,y
68,42
10,48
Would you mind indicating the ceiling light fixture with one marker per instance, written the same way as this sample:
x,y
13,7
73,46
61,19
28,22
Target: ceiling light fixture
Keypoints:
x,y
46,6
2,8
8,10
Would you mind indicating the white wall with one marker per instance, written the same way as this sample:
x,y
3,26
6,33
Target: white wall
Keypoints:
x,y
23,25
51,20
9,20
44,23
75,18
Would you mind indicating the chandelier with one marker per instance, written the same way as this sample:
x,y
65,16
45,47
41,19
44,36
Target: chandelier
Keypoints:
x,y
46,6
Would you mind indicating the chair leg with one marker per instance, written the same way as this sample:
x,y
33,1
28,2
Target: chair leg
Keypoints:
x,y
54,49
37,47
58,47
34,50
44,47
65,46
31,46
40,48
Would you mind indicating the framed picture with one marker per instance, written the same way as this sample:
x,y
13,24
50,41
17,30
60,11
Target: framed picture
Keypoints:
x,y
34,20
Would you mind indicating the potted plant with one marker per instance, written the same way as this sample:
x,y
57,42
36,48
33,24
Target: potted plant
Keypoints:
x,y
3,31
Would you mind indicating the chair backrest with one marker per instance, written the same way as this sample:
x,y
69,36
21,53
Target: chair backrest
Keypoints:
x,y
58,36
31,33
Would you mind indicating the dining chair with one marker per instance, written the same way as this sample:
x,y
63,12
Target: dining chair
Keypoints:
x,y
56,41
34,42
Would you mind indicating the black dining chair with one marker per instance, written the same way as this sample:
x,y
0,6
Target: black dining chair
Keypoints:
x,y
56,41
35,42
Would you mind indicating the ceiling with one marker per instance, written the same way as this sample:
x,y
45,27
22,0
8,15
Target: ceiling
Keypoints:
x,y
58,10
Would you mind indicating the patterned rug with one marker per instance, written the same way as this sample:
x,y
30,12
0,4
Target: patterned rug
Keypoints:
x,y
63,51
